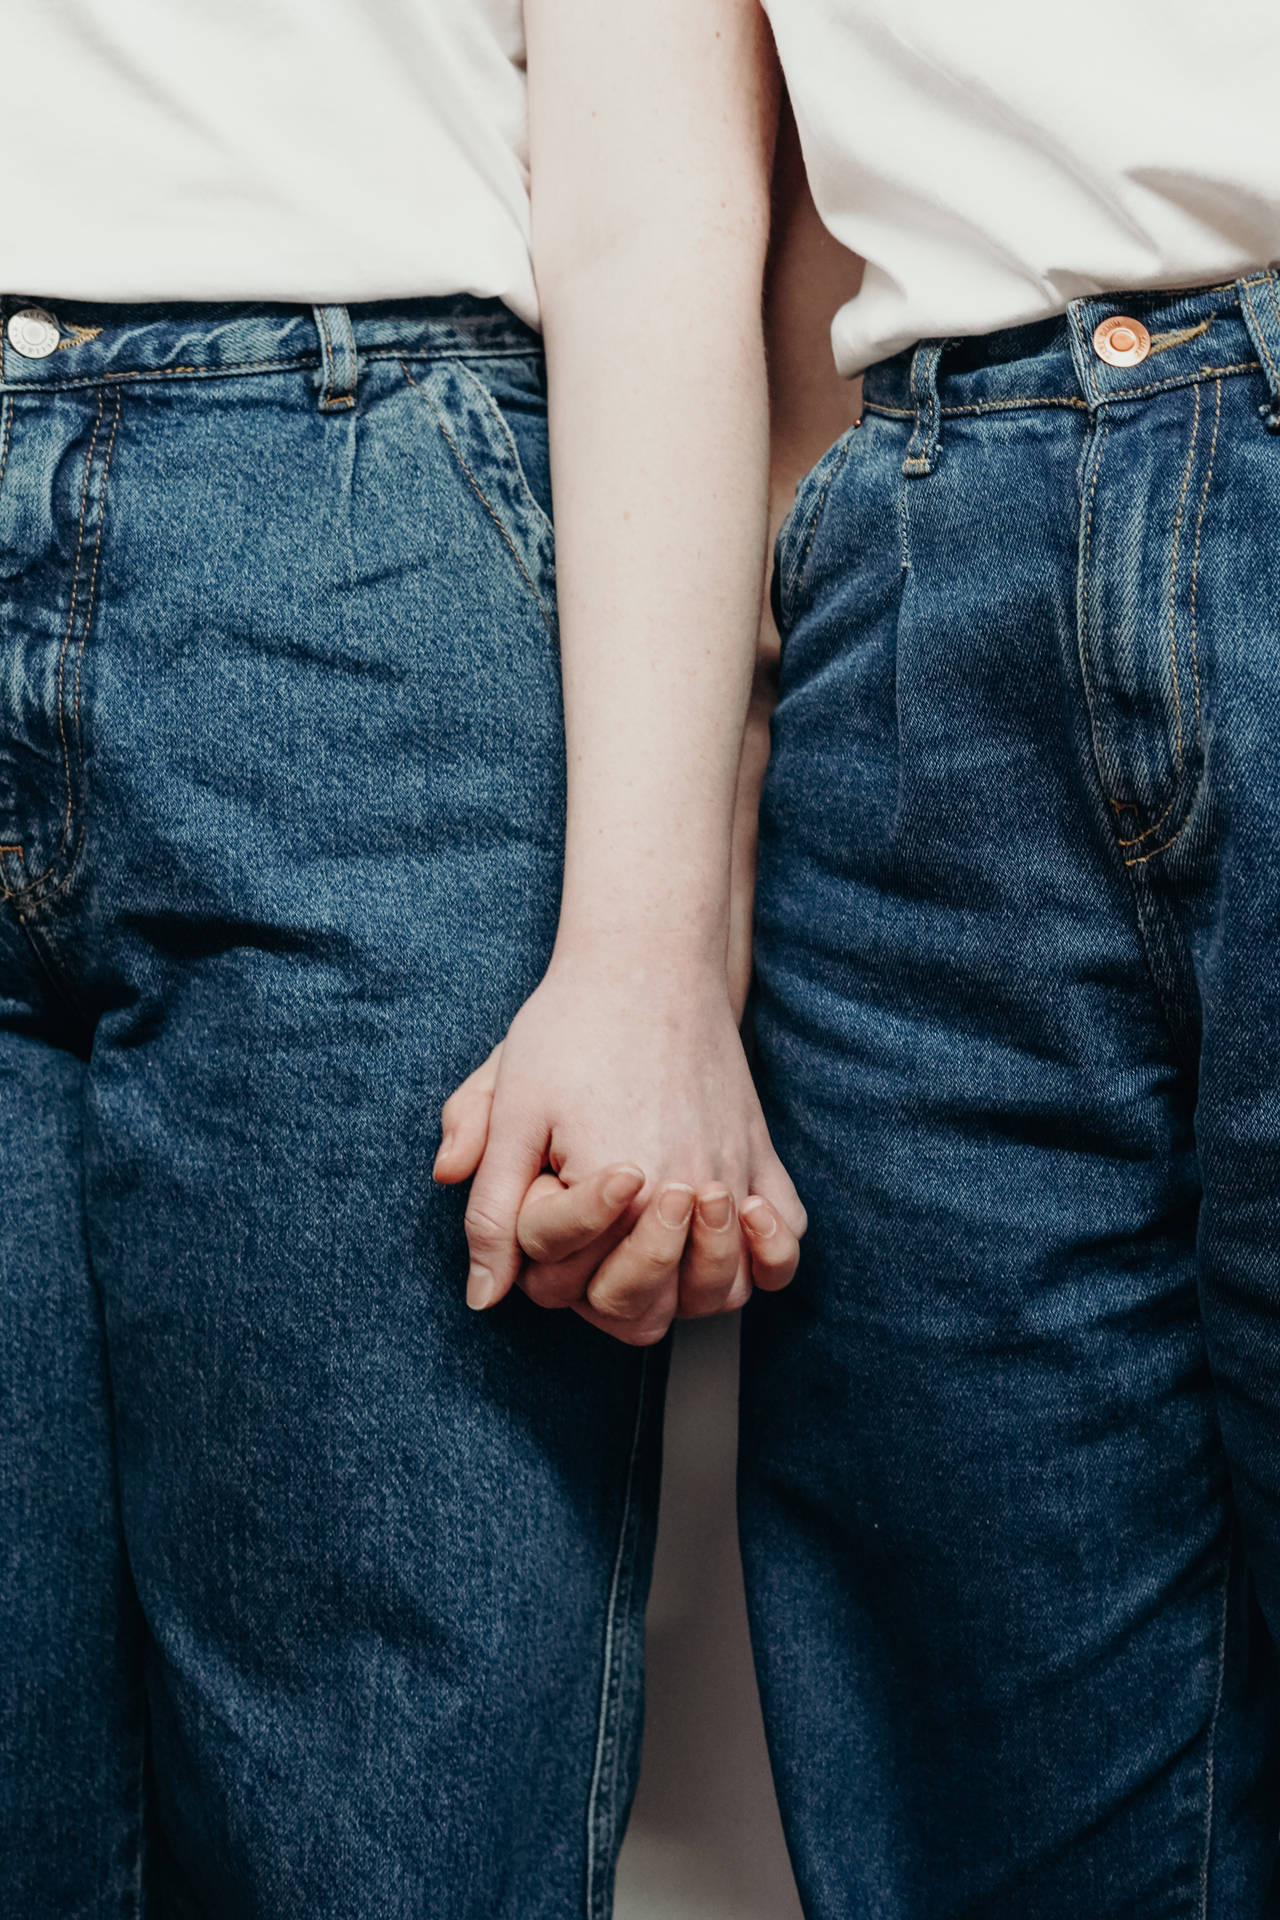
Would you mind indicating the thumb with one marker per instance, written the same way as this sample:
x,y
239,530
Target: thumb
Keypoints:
x,y
512,1161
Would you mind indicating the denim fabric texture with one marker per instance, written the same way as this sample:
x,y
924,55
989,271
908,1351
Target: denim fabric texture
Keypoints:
x,y
1010,1489
322,1594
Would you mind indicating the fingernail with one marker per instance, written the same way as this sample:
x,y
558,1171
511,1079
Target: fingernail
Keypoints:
x,y
675,1206
760,1217
716,1210
481,1289
625,1184
445,1147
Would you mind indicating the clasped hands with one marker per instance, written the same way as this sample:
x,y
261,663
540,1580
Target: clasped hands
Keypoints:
x,y
684,1224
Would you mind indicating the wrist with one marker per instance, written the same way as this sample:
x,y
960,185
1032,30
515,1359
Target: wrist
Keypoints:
x,y
643,959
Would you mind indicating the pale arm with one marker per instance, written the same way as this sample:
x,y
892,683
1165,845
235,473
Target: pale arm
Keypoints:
x,y
808,275
652,129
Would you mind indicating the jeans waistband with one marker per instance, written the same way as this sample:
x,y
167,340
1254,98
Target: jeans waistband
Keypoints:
x,y
1195,333
99,342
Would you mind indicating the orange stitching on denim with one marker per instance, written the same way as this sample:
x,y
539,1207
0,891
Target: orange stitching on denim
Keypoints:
x,y
1070,400
8,430
1140,859
994,406
476,488
1173,572
1179,380
1161,342
93,579
159,373
74,856
1090,696
1137,839
330,402
78,337
1261,337
1195,553
40,878
71,621
238,366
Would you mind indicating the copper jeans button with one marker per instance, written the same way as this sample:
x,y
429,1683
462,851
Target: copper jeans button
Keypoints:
x,y
1120,341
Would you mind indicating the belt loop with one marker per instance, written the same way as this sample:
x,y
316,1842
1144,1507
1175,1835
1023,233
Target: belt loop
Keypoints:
x,y
1260,307
339,363
922,449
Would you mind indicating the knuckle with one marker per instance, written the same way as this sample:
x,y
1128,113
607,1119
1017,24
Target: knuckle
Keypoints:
x,y
646,1336
483,1228
537,1245
622,1302
549,1289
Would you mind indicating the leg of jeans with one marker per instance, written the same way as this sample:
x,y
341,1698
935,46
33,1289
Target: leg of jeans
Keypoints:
x,y
1009,1653
392,1554
1213,895
71,1750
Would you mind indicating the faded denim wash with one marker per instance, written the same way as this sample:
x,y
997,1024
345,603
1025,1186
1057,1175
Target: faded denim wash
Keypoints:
x,y
1011,1442
322,1594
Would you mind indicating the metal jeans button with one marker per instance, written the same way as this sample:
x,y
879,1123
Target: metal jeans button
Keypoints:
x,y
1120,341
33,333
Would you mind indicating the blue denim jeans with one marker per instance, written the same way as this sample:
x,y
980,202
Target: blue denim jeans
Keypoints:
x,y
1011,1442
321,1594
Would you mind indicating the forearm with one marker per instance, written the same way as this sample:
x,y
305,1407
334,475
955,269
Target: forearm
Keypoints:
x,y
650,228
659,435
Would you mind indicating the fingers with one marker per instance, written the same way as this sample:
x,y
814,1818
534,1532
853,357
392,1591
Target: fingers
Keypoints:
x,y
464,1123
773,1248
511,1163
636,1288
773,1183
713,1256
557,1220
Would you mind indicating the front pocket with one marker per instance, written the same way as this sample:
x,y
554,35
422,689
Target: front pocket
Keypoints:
x,y
480,440
797,532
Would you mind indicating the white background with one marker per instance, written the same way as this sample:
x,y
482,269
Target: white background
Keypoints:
x,y
705,1842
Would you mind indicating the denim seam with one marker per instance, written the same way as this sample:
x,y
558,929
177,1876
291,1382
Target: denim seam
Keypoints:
x,y
1178,336
928,411
1179,380
610,1678
495,413
1210,1751
1138,839
1140,859
480,494
1072,400
66,637
981,406
330,403
796,586
1091,700
259,366
1262,339
6,401
1173,580
28,893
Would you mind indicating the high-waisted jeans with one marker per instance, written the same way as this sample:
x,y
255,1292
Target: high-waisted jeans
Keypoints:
x,y
321,1595
1011,1451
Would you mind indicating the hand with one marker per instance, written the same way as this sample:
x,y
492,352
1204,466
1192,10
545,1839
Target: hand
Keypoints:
x,y
580,1073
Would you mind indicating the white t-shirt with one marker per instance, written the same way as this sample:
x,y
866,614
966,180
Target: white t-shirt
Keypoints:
x,y
993,159
310,150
